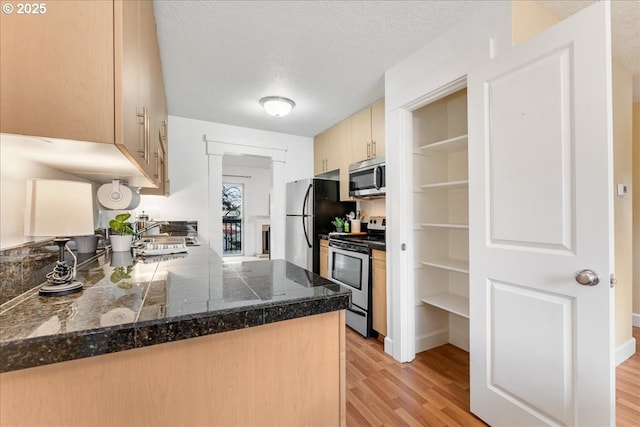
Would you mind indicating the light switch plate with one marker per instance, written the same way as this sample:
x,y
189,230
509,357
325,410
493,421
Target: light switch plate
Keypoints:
x,y
623,190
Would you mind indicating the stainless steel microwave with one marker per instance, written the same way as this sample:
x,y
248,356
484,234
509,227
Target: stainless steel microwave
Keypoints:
x,y
368,178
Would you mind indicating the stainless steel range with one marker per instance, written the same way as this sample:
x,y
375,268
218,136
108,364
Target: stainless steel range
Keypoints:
x,y
350,265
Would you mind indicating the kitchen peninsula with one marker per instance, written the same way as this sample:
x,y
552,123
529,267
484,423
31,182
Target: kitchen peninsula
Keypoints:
x,y
184,341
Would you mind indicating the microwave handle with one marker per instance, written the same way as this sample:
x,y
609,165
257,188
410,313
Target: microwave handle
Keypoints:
x,y
376,176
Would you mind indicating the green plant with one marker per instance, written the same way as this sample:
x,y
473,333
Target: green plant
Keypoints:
x,y
338,222
120,224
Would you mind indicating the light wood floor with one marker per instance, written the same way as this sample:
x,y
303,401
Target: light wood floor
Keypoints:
x,y
433,390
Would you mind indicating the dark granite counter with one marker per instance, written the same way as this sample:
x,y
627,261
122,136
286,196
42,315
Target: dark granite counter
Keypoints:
x,y
157,301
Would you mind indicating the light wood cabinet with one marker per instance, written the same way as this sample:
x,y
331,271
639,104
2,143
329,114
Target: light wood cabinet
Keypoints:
x,y
441,219
360,137
344,142
368,133
324,258
379,289
331,152
209,380
326,151
378,136
85,71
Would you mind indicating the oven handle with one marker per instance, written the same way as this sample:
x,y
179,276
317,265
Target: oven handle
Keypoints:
x,y
358,312
304,216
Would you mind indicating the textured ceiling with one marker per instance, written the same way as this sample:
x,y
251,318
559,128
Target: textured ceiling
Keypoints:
x,y
625,31
220,57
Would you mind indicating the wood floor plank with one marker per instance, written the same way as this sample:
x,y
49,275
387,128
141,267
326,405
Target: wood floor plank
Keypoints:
x,y
433,389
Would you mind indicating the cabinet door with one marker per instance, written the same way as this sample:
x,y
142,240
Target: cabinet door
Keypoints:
x,y
344,142
131,129
379,285
335,152
378,129
361,135
57,72
319,153
324,258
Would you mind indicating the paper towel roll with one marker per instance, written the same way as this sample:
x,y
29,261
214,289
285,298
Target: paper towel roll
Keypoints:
x,y
118,196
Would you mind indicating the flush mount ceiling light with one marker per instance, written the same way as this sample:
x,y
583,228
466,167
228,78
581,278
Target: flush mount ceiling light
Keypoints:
x,y
277,105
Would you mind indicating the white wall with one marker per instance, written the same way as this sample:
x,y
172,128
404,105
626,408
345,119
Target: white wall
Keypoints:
x,y
191,172
14,173
409,85
256,197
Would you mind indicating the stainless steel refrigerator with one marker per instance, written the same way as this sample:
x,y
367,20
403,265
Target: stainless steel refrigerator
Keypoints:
x,y
311,206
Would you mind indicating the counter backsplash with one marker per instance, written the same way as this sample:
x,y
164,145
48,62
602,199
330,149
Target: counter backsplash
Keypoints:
x,y
25,267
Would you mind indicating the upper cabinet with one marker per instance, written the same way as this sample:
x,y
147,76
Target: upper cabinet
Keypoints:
x,y
360,137
378,138
88,71
367,133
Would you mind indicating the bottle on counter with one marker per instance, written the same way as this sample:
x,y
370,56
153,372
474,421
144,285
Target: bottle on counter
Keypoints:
x,y
346,225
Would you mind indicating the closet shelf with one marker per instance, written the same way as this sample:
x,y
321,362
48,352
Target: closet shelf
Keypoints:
x,y
444,225
451,145
452,303
445,185
450,264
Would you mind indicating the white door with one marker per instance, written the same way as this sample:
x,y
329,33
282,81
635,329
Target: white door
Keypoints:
x,y
540,150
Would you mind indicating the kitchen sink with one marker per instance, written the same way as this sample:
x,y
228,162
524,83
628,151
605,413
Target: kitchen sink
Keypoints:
x,y
160,245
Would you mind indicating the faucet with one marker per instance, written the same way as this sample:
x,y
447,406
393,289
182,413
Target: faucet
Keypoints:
x,y
147,227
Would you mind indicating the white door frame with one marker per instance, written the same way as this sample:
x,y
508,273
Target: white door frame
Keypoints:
x,y
215,150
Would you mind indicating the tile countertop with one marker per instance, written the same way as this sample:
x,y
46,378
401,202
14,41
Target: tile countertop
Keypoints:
x,y
180,297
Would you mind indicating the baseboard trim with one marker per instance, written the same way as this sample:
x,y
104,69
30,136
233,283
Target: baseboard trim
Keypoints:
x,y
635,319
459,339
388,346
432,340
625,351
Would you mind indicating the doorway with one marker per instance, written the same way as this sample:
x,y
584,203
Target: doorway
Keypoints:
x,y
232,218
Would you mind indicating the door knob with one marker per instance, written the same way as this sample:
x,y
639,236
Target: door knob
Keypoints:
x,y
587,278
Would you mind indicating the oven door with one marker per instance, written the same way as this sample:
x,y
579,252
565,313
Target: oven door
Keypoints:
x,y
351,269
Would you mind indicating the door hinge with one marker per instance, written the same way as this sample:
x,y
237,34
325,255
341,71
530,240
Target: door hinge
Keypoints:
x,y
612,280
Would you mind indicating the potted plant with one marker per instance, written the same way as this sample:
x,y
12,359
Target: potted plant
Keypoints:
x,y
339,224
121,241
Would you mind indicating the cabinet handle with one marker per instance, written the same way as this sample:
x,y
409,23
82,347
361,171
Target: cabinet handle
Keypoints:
x,y
157,175
163,131
373,149
145,134
368,150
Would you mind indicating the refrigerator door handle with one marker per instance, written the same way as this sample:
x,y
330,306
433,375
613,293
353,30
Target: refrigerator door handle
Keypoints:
x,y
304,216
306,199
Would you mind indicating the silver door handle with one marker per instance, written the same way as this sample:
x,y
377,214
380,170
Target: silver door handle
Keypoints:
x,y
587,278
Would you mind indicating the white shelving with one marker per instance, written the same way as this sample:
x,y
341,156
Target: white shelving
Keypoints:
x,y
450,145
451,264
452,303
440,225
441,218
445,185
